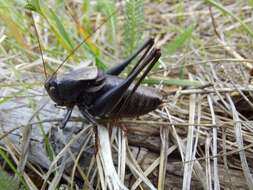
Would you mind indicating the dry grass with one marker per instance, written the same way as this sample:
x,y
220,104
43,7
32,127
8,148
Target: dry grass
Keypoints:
x,y
200,138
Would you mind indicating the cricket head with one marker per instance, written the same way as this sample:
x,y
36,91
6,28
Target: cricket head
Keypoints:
x,y
62,91
52,89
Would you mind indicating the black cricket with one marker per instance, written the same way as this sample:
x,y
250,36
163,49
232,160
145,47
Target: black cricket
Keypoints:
x,y
105,94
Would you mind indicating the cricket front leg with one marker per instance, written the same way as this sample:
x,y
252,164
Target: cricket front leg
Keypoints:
x,y
66,118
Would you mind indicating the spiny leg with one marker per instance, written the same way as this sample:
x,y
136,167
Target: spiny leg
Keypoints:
x,y
88,116
119,68
92,120
151,65
107,102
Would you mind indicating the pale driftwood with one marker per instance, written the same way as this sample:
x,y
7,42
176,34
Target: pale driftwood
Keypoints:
x,y
144,139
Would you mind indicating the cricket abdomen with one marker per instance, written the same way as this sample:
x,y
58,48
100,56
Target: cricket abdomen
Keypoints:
x,y
142,101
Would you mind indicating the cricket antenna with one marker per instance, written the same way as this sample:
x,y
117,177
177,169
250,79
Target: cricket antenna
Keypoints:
x,y
38,39
85,39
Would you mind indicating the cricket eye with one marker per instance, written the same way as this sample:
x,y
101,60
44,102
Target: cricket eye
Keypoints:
x,y
52,89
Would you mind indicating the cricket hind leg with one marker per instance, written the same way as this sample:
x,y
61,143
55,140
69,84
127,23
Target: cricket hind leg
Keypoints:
x,y
90,118
119,68
93,121
108,101
150,66
68,115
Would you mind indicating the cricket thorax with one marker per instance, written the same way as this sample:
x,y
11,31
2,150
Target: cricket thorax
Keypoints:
x,y
66,91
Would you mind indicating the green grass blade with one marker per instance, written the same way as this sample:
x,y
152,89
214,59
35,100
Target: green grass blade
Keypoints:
x,y
12,166
48,146
8,182
6,99
64,39
107,7
53,20
177,82
250,3
58,28
33,5
14,21
133,26
25,85
178,42
100,64
226,11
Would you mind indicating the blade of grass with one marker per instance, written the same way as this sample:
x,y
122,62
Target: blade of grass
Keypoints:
x,y
177,82
250,2
188,167
8,182
133,25
12,166
178,42
226,11
53,20
239,141
108,7
6,99
21,84
14,22
59,30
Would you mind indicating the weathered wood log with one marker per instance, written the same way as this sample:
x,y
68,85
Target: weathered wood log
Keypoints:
x,y
144,141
